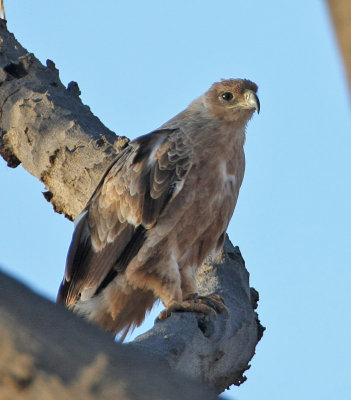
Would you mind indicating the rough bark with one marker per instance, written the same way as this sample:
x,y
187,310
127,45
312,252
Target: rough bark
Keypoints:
x,y
48,129
340,11
45,126
48,353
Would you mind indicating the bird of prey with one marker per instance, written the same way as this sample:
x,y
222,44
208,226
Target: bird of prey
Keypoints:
x,y
163,206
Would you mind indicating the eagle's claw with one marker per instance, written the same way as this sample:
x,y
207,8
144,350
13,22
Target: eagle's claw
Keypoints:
x,y
212,304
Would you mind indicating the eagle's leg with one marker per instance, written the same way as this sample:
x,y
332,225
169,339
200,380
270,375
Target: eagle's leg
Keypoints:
x,y
191,301
211,304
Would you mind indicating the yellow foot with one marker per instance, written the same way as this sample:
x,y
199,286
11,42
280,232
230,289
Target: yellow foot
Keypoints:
x,y
212,304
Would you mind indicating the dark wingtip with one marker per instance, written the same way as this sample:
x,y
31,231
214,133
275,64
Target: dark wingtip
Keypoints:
x,y
62,292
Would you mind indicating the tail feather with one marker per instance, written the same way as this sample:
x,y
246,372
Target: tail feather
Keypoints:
x,y
117,311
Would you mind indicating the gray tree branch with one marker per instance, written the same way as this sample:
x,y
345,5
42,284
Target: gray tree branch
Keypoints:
x,y
45,126
48,353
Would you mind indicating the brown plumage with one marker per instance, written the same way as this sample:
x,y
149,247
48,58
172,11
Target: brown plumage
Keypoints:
x,y
161,208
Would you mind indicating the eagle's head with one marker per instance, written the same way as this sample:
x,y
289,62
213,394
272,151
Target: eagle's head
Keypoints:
x,y
232,100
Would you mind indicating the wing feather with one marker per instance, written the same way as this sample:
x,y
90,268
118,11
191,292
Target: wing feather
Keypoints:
x,y
128,201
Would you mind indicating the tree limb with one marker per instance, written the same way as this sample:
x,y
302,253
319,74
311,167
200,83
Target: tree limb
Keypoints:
x,y
48,129
45,126
340,11
48,353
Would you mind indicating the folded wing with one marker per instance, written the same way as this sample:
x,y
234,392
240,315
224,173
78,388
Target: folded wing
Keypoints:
x,y
142,181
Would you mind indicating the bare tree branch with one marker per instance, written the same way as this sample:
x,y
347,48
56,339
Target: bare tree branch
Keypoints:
x,y
45,126
340,11
48,353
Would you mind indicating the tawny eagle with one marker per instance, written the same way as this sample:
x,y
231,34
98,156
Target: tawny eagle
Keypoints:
x,y
160,209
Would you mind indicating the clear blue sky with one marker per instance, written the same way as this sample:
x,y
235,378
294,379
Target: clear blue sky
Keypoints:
x,y
140,62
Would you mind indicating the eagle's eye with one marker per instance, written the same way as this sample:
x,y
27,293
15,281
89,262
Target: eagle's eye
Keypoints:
x,y
227,96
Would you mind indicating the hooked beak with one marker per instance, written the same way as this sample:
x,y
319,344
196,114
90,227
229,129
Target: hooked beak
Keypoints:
x,y
252,100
